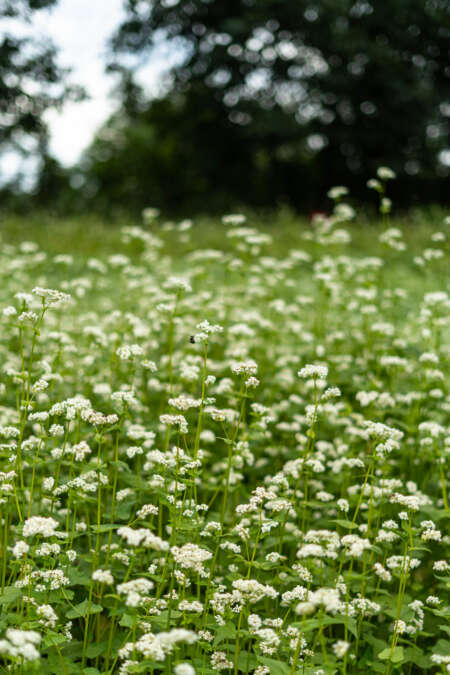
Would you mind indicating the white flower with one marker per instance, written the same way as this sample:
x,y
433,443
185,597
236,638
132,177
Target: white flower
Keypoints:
x,y
340,648
337,192
313,371
39,525
184,669
103,577
384,173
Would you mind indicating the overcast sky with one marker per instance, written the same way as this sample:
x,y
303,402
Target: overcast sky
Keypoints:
x,y
80,28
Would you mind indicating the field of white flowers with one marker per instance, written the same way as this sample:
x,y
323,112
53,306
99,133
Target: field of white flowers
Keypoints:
x,y
230,459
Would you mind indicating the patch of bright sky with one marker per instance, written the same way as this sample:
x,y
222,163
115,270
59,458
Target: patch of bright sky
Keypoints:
x,y
81,29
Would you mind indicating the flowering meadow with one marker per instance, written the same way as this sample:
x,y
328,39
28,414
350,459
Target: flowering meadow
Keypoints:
x,y
230,459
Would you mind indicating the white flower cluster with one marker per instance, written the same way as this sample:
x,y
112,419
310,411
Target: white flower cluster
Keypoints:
x,y
21,644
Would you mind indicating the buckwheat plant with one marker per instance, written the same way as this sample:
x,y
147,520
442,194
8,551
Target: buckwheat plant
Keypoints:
x,y
230,459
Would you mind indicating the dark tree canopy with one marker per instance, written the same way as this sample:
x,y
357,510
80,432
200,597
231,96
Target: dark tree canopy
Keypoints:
x,y
303,94
31,82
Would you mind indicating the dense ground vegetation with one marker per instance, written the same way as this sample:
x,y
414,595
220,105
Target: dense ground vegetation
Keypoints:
x,y
225,449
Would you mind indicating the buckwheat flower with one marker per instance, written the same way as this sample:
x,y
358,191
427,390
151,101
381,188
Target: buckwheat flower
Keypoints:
x,y
343,212
150,214
374,184
340,648
252,591
386,535
27,317
177,284
9,432
431,535
245,368
184,669
313,371
355,545
149,365
402,562
433,601
39,525
343,505
48,616
412,502
431,429
9,311
337,192
142,537
147,510
190,606
305,608
47,550
175,420
269,640
50,296
124,398
383,432
441,566
234,219
184,402
20,549
385,173
399,627
219,661
331,392
381,572
103,577
294,595
133,451
79,451
252,383
441,659
124,353
390,525
191,556
136,591
21,643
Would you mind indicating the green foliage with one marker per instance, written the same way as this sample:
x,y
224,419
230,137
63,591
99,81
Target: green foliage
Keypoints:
x,y
272,99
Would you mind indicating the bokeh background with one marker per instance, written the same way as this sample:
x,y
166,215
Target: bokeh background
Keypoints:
x,y
203,106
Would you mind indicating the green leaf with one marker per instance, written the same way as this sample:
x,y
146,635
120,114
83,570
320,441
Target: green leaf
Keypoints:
x,y
51,639
127,621
78,578
276,667
312,624
225,632
396,656
442,647
347,524
83,609
98,529
96,649
416,656
246,661
9,595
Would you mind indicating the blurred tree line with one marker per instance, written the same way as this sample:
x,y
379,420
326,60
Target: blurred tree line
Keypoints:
x,y
271,101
